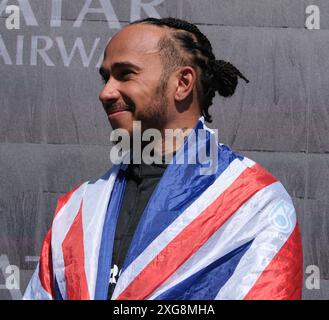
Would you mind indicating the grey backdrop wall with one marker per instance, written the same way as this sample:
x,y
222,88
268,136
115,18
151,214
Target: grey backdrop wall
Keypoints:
x,y
54,133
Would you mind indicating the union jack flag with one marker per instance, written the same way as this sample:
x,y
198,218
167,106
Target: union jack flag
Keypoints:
x,y
229,235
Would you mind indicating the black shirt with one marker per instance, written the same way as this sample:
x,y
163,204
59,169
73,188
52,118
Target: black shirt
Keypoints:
x,y
142,180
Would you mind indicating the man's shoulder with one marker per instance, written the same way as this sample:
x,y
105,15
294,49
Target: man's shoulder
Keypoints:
x,y
241,158
252,170
90,189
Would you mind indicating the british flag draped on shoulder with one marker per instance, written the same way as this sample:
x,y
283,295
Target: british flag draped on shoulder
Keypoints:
x,y
228,235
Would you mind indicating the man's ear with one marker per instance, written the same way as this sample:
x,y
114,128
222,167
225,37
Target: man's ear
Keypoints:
x,y
186,78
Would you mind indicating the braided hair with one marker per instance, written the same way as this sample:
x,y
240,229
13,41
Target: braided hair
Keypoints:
x,y
216,75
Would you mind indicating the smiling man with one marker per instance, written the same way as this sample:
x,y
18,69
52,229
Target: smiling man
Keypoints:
x,y
143,81
171,231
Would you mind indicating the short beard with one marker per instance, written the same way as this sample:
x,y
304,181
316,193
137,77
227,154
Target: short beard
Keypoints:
x,y
156,116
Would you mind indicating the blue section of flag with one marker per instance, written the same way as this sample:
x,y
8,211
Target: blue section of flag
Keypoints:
x,y
106,249
205,284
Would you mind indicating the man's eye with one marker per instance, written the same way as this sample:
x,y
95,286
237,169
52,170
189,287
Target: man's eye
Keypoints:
x,y
125,74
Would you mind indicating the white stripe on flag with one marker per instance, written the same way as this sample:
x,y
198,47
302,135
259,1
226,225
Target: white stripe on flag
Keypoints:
x,y
249,163
34,290
93,214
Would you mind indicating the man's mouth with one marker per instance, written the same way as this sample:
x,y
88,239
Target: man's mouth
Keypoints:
x,y
116,108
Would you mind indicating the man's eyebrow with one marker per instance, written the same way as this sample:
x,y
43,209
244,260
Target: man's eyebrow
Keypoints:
x,y
124,64
119,65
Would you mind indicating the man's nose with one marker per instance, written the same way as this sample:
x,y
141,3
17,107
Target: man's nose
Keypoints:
x,y
109,92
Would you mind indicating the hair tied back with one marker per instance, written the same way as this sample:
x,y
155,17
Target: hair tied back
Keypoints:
x,y
225,76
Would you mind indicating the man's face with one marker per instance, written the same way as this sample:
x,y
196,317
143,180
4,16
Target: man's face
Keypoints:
x,y
134,87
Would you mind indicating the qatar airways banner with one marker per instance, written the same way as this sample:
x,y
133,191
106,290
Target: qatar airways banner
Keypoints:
x,y
58,32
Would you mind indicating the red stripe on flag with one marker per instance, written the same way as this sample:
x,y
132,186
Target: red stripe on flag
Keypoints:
x,y
74,261
282,279
64,199
46,267
185,244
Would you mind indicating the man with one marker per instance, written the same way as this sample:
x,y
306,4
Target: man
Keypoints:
x,y
178,230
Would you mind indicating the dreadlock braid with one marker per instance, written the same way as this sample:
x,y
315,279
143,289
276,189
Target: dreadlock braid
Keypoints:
x,y
216,75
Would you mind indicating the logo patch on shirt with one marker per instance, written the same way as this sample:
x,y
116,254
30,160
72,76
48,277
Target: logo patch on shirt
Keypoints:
x,y
115,274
